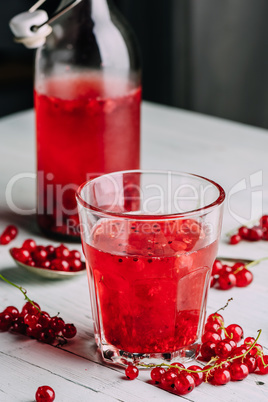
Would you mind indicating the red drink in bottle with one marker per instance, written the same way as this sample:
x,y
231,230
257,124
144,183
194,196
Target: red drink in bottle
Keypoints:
x,y
86,126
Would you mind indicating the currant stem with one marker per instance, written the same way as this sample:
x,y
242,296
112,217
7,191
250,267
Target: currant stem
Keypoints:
x,y
253,263
21,289
226,305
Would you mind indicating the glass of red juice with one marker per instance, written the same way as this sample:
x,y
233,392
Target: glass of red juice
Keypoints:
x,y
150,239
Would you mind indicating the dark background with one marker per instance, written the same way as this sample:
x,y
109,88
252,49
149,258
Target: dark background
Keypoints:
x,y
209,56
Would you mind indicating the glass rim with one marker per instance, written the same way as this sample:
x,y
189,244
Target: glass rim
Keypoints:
x,y
166,216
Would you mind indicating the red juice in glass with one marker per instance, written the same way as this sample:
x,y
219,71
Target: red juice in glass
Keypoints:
x,y
86,125
149,281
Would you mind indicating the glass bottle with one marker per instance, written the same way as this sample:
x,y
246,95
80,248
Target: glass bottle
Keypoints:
x,y
87,102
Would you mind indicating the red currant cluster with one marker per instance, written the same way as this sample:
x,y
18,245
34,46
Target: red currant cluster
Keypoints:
x,y
226,360
258,232
54,258
8,234
45,394
37,324
226,277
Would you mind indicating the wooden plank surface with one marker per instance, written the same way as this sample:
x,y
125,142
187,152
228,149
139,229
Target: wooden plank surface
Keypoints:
x,y
172,139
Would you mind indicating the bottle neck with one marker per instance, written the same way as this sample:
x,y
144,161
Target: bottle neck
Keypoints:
x,y
98,9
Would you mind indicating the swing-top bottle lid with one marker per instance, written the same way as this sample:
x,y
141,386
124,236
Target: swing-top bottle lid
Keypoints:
x,y
30,28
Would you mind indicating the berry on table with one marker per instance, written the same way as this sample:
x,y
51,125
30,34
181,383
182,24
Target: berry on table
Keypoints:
x,y
235,239
221,376
227,281
8,234
69,331
198,375
131,372
238,371
243,278
184,383
235,332
157,373
45,394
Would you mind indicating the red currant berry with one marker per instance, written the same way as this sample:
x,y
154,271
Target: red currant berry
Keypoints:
x,y
8,234
213,281
235,332
62,252
207,350
47,336
231,342
184,383
251,362
257,350
176,367
238,371
213,327
75,265
262,362
12,310
265,235
255,233
221,376
223,363
19,326
39,255
6,320
69,331
34,332
243,232
211,336
45,264
235,239
50,251
29,308
226,269
237,266
29,245
45,394
44,319
208,375
157,373
198,374
131,372
264,221
216,268
5,239
30,320
20,254
227,281
12,231
168,379
60,265
75,254
243,278
249,340
223,349
238,351
216,318
57,324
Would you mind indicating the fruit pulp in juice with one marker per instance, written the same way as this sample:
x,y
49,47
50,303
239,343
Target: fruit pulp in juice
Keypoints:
x,y
149,283
86,125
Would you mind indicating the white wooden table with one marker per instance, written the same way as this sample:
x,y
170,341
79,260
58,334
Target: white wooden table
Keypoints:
x,y
172,139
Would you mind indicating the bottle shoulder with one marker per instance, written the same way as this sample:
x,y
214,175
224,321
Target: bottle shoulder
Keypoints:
x,y
94,39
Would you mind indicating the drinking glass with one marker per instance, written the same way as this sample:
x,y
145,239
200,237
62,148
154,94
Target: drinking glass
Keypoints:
x,y
150,239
